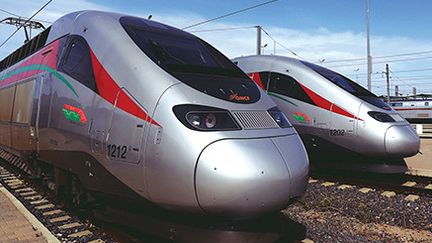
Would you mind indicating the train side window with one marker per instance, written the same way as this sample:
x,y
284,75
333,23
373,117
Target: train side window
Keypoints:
x,y
426,103
77,62
24,102
286,85
6,101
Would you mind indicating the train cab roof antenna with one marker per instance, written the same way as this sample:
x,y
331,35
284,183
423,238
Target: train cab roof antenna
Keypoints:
x,y
27,25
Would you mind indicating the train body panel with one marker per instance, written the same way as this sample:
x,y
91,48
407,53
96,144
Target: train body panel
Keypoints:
x,y
414,109
109,105
326,107
160,169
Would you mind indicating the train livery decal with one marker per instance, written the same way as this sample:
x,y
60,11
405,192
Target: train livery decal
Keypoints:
x,y
301,117
74,114
42,61
45,61
318,100
111,91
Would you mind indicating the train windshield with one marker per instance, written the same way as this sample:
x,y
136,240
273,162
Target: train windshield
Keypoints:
x,y
348,85
191,60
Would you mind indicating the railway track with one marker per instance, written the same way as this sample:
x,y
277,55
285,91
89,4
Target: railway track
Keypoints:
x,y
400,184
63,224
117,223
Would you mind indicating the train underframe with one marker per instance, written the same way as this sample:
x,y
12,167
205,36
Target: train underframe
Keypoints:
x,y
324,154
87,185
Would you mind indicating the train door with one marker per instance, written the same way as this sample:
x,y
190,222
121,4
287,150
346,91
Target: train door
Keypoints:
x,y
21,130
35,114
6,105
125,135
40,116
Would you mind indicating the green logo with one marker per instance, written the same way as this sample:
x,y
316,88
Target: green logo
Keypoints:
x,y
301,117
71,115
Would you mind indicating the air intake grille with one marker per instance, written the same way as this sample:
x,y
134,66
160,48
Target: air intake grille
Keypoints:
x,y
255,119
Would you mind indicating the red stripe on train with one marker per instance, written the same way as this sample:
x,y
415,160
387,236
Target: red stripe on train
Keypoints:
x,y
326,104
109,90
256,77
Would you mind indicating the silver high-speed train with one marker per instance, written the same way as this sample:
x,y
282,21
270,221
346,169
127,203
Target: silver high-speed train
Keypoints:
x,y
338,120
137,109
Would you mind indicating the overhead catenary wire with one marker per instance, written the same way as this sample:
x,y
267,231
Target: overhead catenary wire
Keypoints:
x,y
385,61
280,44
7,39
223,29
230,14
398,71
18,16
381,57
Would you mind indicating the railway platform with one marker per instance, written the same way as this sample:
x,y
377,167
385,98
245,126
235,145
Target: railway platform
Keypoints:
x,y
19,225
421,164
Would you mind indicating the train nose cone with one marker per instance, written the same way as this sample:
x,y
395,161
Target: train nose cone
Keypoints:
x,y
401,141
241,178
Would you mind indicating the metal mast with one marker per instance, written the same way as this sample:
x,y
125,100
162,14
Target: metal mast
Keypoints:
x,y
258,46
369,57
387,72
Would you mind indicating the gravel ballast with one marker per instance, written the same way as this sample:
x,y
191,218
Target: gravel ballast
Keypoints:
x,y
331,214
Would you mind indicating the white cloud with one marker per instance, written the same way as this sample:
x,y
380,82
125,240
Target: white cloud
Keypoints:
x,y
313,44
27,8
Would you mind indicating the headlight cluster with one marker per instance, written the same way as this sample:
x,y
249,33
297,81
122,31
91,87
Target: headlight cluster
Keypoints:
x,y
279,117
205,118
380,116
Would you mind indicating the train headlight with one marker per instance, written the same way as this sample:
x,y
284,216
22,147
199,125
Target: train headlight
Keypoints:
x,y
279,117
194,119
210,120
205,118
380,116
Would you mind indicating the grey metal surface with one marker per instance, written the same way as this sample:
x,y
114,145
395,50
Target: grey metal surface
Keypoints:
x,y
258,181
401,140
363,134
162,158
255,119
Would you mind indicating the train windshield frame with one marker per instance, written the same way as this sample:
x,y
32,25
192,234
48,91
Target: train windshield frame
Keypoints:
x,y
348,85
191,60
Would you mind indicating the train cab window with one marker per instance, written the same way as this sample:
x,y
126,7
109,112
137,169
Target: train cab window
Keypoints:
x,y
288,86
77,63
348,85
191,60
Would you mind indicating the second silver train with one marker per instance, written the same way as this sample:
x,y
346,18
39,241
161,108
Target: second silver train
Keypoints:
x,y
337,118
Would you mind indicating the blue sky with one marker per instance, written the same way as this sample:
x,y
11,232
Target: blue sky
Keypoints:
x,y
329,30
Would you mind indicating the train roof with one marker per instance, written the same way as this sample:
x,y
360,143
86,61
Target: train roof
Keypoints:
x,y
77,23
67,24
270,58
418,97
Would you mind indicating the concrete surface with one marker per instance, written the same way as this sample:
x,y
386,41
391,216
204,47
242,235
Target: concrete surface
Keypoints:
x,y
17,224
421,164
